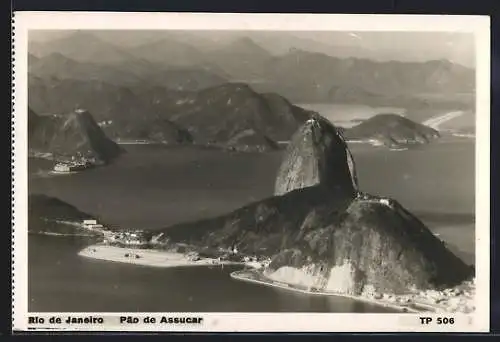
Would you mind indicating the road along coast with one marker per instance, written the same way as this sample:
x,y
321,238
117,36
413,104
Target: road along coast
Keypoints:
x,y
459,299
436,121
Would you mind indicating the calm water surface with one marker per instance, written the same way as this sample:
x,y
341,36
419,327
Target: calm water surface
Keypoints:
x,y
60,280
152,187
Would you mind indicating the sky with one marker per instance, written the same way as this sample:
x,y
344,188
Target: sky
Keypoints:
x,y
400,46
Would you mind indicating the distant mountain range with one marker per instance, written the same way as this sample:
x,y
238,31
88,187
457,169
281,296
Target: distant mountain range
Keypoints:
x,y
300,76
230,115
374,45
122,73
168,91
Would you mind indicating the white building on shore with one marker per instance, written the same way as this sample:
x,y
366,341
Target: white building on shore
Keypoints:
x,y
61,167
92,224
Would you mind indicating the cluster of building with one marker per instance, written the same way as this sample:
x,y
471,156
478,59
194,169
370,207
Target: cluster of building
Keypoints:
x,y
367,197
129,238
139,238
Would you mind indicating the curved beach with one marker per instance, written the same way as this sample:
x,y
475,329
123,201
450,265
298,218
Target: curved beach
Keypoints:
x,y
147,257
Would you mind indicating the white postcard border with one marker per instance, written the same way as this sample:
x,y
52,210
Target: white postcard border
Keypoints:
x,y
479,25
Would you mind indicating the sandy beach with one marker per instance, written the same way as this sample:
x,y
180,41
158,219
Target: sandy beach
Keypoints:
x,y
459,299
146,257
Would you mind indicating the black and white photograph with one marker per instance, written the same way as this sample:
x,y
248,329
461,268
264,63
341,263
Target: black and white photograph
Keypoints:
x,y
252,170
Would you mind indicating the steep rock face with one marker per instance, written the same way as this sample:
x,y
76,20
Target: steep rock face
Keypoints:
x,y
316,155
75,135
322,233
333,244
379,244
392,130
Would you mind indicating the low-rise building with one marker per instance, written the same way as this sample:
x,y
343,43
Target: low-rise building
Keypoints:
x,y
385,202
61,167
88,222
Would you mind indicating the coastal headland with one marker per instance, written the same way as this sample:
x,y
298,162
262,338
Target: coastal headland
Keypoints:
x,y
149,257
336,240
457,299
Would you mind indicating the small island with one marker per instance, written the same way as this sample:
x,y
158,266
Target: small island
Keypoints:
x,y
390,130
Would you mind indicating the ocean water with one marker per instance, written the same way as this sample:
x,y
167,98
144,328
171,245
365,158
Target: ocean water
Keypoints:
x,y
153,186
61,281
436,182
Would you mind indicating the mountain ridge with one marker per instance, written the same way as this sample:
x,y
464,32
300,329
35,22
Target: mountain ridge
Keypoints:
x,y
301,76
214,116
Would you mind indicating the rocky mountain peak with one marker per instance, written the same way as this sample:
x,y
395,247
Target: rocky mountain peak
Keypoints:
x,y
317,155
76,134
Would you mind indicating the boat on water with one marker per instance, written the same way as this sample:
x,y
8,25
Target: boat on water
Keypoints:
x,y
72,167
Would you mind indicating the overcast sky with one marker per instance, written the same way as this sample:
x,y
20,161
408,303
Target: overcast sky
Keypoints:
x,y
403,46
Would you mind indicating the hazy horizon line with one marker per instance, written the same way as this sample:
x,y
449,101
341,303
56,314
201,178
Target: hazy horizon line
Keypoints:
x,y
424,46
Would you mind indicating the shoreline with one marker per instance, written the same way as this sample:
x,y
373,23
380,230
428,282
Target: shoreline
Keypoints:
x,y
271,283
148,257
430,301
59,234
165,259
453,300
59,173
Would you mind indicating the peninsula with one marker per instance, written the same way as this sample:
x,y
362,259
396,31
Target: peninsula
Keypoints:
x,y
319,234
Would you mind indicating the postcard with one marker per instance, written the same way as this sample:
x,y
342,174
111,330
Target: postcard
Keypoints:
x,y
250,172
